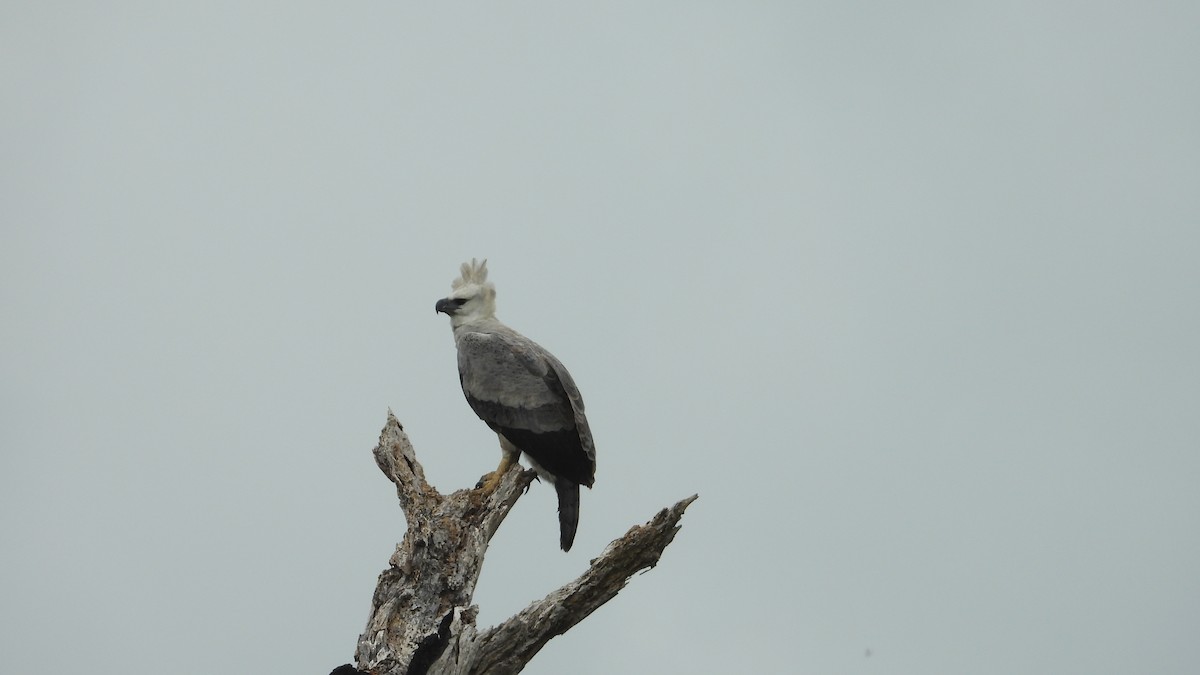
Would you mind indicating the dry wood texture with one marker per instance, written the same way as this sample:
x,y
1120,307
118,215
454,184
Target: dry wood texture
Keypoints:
x,y
422,620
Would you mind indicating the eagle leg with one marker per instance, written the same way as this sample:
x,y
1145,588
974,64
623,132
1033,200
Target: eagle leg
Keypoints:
x,y
509,454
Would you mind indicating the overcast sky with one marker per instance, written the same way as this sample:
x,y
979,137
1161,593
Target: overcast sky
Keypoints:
x,y
909,293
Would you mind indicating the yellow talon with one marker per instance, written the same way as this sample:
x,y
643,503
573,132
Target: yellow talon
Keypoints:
x,y
490,481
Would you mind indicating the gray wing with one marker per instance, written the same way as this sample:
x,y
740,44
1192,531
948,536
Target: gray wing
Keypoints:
x,y
576,399
524,393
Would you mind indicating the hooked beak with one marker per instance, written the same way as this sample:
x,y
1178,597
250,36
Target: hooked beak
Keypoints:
x,y
445,305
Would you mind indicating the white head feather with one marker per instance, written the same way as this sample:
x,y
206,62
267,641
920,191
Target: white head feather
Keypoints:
x,y
473,286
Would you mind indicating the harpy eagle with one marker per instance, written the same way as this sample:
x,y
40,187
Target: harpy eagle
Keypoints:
x,y
523,393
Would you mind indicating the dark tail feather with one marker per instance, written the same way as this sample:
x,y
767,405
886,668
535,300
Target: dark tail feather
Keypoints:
x,y
568,512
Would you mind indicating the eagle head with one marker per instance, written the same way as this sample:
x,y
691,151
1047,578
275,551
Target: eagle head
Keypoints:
x,y
472,296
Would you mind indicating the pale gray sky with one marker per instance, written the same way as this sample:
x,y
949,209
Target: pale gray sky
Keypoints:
x,y
910,294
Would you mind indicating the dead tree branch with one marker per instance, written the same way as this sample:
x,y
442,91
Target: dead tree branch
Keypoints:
x,y
422,620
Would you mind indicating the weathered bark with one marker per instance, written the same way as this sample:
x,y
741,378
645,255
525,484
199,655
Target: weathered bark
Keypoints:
x,y
422,620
